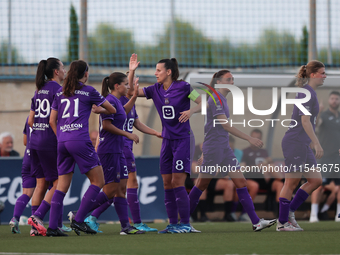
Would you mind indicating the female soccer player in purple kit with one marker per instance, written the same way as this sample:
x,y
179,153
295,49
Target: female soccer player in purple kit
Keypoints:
x,y
43,145
216,151
124,95
28,185
71,110
171,98
110,152
296,143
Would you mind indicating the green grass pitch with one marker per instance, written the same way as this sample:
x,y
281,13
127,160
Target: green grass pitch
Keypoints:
x,y
216,238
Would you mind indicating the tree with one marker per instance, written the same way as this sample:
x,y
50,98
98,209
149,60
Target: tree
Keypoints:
x,y
14,53
73,41
303,47
110,45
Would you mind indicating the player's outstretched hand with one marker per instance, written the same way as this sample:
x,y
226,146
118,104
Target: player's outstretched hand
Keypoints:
x,y
318,151
256,142
133,62
133,137
200,160
136,86
185,116
159,135
97,109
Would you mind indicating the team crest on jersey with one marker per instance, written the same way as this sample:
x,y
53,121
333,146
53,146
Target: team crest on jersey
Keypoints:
x,y
118,176
133,164
166,101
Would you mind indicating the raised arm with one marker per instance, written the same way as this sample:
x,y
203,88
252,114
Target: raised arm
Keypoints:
x,y
128,106
132,68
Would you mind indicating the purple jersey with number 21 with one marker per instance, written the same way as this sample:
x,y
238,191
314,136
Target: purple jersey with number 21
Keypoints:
x,y
74,113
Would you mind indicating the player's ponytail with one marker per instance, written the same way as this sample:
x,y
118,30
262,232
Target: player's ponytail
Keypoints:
x,y
306,70
105,87
77,71
171,64
45,71
109,82
217,76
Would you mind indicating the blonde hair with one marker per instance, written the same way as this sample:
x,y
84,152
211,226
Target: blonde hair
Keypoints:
x,y
306,70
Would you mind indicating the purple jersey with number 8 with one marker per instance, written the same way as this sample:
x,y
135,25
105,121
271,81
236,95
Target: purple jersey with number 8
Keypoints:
x,y
169,104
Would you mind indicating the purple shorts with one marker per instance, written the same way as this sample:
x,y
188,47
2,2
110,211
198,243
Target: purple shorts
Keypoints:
x,y
218,162
114,167
297,156
130,159
44,164
27,180
80,152
175,156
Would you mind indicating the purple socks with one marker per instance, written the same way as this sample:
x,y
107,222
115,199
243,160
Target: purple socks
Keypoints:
x,y
171,205
194,197
96,213
247,204
133,202
100,199
87,203
122,211
20,206
298,199
56,208
42,210
284,210
34,208
286,205
183,204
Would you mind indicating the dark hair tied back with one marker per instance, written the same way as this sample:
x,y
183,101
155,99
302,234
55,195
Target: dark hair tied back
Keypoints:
x,y
110,81
77,71
45,71
171,64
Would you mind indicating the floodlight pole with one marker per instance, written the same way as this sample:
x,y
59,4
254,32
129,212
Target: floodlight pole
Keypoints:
x,y
172,30
312,53
83,43
9,45
329,50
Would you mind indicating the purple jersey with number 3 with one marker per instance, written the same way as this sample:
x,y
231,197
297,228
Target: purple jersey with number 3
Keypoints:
x,y
169,104
297,133
108,142
130,120
74,113
43,137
